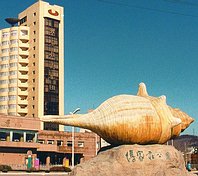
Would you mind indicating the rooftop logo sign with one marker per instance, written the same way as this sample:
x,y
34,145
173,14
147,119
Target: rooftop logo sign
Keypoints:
x,y
53,12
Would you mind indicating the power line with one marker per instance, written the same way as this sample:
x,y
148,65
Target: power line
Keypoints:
x,y
146,8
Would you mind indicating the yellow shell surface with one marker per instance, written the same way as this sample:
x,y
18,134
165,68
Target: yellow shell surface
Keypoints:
x,y
129,119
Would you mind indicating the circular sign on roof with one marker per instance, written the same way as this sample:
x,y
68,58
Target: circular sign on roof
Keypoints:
x,y
53,12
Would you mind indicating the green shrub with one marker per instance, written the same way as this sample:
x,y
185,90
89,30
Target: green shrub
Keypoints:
x,y
5,168
60,169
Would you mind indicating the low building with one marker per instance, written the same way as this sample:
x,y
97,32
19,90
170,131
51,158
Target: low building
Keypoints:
x,y
21,137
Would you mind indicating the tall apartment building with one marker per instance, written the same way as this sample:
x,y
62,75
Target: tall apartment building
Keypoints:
x,y
32,64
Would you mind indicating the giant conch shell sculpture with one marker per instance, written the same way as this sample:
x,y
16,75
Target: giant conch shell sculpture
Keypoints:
x,y
129,119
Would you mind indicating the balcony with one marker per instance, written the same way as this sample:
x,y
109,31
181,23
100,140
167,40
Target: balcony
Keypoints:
x,y
4,85
3,103
22,68
3,111
24,44
4,46
22,76
12,102
4,54
24,93
14,37
5,38
13,68
12,93
22,110
12,110
14,45
22,102
23,53
23,60
20,84
12,76
24,38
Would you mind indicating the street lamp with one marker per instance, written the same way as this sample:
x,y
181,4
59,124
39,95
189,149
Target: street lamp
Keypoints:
x,y
74,112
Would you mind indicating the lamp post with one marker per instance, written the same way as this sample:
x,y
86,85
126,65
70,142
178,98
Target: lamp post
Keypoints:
x,y
75,111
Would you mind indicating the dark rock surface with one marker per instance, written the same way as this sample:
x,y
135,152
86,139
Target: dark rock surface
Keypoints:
x,y
135,160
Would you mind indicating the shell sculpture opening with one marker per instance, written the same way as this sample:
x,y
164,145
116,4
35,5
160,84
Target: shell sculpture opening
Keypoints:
x,y
129,119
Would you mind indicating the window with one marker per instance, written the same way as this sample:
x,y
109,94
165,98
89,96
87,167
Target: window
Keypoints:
x,y
13,72
69,143
4,81
34,48
5,50
3,107
12,97
23,20
80,144
34,32
4,73
24,32
34,14
13,57
50,142
56,24
3,98
4,89
34,23
41,141
11,81
11,106
33,55
11,89
51,56
5,34
13,33
33,80
32,106
13,64
13,49
33,98
4,66
34,40
33,72
5,43
13,41
59,142
3,58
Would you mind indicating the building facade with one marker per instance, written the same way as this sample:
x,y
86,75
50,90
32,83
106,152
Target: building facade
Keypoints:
x,y
21,137
32,86
32,64
14,54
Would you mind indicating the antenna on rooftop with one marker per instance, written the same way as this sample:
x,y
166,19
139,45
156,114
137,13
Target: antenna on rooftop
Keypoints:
x,y
12,21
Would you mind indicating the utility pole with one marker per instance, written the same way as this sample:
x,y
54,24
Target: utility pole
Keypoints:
x,y
73,140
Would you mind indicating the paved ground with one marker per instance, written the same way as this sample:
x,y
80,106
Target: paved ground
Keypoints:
x,y
34,174
45,174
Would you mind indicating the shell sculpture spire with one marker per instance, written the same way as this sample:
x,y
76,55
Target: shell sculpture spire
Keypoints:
x,y
130,119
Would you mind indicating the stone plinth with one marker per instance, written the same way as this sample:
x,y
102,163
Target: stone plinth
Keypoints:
x,y
135,160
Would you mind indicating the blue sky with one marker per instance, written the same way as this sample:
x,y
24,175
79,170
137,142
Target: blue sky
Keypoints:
x,y
113,45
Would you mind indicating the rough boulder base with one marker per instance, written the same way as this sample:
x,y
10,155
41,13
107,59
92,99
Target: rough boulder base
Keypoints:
x,y
135,160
